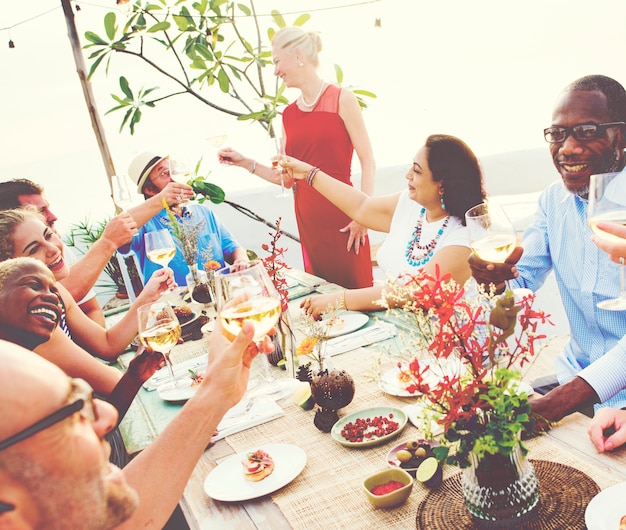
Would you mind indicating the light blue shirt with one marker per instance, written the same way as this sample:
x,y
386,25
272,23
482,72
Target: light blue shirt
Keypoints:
x,y
214,235
560,240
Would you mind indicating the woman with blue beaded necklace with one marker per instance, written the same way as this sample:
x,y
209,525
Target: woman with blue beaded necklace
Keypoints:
x,y
425,222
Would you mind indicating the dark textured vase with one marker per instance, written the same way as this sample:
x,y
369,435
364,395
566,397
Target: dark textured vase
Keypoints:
x,y
500,490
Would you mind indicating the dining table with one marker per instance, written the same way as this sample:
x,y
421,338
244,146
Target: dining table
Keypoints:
x,y
328,491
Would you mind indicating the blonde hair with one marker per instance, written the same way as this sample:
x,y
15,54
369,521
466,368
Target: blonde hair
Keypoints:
x,y
295,37
9,220
10,267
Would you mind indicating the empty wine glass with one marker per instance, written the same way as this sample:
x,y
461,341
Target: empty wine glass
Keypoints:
x,y
123,192
279,151
261,306
159,329
607,203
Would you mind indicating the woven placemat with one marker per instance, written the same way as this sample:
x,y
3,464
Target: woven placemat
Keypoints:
x,y
564,493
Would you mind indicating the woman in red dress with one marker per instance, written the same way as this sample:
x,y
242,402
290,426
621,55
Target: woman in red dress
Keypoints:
x,y
323,127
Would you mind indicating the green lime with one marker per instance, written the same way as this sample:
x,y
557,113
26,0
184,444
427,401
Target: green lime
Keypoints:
x,y
427,469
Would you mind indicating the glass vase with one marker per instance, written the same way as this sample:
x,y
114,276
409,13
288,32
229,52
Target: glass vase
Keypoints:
x,y
199,286
500,490
285,344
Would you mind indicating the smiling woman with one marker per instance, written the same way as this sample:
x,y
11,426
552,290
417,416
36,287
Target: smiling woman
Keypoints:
x,y
29,302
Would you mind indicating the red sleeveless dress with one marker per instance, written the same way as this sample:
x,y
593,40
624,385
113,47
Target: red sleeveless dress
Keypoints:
x,y
320,138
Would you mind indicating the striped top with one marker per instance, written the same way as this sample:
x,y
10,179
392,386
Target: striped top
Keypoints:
x,y
560,239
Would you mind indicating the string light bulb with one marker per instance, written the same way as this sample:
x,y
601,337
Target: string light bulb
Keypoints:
x,y
121,2
11,43
77,7
377,22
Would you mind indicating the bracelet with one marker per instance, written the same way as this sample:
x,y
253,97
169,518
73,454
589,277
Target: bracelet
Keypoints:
x,y
253,170
342,304
311,175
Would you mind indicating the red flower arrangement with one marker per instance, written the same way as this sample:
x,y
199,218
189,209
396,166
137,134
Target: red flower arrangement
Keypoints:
x,y
474,348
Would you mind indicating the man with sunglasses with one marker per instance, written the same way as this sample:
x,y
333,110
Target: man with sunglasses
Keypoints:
x,y
587,136
54,468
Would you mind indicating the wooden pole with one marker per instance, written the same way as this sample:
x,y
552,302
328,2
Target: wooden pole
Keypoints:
x,y
89,99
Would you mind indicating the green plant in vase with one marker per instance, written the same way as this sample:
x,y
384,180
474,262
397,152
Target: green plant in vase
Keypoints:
x,y
468,376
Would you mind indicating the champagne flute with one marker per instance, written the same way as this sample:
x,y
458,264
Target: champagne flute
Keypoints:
x,y
261,306
159,330
607,203
279,149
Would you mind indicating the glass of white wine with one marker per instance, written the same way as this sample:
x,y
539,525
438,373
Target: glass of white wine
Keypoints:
x,y
159,330
260,305
492,235
160,247
607,203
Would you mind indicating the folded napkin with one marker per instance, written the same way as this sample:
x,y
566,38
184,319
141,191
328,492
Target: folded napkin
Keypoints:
x,y
246,414
363,337
181,371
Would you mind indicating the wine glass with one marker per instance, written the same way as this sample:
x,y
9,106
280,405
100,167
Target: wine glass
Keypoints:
x,y
492,235
261,306
180,171
160,247
607,202
159,330
279,151
122,190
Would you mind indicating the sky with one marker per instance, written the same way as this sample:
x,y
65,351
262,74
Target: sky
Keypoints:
x,y
487,71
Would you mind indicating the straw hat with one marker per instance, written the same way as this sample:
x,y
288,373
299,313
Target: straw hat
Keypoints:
x,y
141,166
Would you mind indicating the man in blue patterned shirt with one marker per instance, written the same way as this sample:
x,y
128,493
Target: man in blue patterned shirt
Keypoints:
x,y
587,136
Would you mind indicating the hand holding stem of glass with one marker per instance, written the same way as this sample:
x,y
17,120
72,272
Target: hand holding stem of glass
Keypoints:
x,y
159,330
607,203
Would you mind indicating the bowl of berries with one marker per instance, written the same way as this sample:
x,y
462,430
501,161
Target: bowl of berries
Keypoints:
x,y
369,427
388,488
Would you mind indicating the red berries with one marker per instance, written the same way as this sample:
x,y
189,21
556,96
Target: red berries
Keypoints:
x,y
368,428
387,487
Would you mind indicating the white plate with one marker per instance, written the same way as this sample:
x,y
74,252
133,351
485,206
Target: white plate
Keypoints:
x,y
352,320
226,481
606,509
415,413
390,384
181,392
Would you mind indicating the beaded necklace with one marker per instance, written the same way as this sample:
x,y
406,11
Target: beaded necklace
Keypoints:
x,y
416,254
317,98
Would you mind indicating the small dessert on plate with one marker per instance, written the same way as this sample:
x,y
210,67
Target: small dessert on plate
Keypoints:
x,y
183,313
257,465
335,322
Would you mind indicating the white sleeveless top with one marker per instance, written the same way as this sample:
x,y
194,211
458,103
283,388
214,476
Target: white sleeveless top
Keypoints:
x,y
391,254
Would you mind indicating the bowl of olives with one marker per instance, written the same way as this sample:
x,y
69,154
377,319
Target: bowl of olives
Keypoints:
x,y
411,455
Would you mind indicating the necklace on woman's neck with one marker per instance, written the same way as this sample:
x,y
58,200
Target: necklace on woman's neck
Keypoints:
x,y
416,254
317,98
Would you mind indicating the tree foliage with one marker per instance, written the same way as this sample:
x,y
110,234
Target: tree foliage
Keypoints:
x,y
217,51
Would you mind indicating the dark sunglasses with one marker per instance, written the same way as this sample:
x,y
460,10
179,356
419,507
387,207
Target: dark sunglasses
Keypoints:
x,y
83,404
582,133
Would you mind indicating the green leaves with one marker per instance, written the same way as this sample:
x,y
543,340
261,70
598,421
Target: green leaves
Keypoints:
x,y
198,47
131,104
